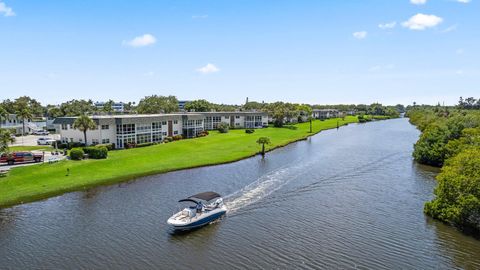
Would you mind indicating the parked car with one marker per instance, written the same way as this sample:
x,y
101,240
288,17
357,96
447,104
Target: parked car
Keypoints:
x,y
40,132
16,157
45,141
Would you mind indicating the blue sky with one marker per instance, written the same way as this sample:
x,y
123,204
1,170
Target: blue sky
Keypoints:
x,y
319,52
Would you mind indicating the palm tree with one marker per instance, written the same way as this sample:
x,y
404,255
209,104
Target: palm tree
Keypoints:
x,y
108,106
25,114
3,115
263,141
84,123
5,139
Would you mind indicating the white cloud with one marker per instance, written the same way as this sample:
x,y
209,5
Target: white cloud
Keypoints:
x,y
389,25
52,75
360,35
450,28
141,41
422,22
381,68
7,11
464,1
418,2
209,68
200,16
149,74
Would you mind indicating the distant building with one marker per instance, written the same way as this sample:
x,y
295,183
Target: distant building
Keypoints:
x,y
118,107
146,128
15,123
324,113
181,105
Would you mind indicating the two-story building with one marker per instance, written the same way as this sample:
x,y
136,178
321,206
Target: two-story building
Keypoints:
x,y
137,128
324,113
13,122
118,107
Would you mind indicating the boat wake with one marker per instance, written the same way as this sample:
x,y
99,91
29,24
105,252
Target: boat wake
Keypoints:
x,y
262,187
272,181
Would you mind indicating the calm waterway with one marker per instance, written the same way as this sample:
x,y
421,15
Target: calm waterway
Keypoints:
x,y
347,198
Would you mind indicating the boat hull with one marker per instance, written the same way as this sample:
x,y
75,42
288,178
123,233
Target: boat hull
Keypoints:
x,y
197,223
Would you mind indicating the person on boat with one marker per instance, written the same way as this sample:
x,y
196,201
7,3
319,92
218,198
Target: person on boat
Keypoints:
x,y
199,207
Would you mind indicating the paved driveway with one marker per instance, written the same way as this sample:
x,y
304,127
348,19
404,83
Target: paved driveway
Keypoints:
x,y
31,140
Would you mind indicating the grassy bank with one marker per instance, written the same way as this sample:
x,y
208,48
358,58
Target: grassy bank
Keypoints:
x,y
31,148
26,184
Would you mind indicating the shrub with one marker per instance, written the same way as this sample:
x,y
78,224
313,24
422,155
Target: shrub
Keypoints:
x,y
71,145
177,137
457,200
223,127
95,152
145,144
202,133
130,145
249,130
76,154
168,139
109,146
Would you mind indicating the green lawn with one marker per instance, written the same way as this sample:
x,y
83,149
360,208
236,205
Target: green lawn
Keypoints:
x,y
30,183
31,148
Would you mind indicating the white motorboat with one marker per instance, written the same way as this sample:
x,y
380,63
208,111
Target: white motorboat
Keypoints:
x,y
208,208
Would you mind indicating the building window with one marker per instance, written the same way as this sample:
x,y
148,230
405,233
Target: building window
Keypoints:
x,y
104,141
164,133
164,123
156,126
126,129
237,116
175,132
94,141
144,128
105,126
71,139
237,124
175,122
64,127
156,137
144,138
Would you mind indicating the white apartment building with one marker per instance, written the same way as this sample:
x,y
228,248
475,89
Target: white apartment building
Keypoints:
x,y
118,107
135,129
325,113
13,122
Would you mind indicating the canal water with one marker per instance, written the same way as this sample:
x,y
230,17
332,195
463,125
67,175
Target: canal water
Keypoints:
x,y
347,198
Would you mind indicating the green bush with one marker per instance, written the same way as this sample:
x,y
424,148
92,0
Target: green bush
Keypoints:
x,y
223,127
431,148
249,130
109,146
177,137
76,154
95,152
457,196
167,139
145,144
202,133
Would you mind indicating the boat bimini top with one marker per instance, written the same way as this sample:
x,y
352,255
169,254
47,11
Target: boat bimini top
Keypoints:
x,y
204,196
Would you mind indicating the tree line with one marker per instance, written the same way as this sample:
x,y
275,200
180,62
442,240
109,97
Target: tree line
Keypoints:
x,y
451,139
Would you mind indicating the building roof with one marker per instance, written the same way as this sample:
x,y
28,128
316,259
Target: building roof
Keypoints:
x,y
325,110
